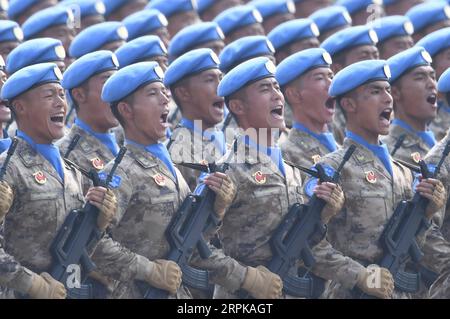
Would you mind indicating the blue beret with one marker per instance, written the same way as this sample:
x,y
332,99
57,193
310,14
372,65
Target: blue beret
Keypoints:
x,y
29,77
349,38
269,8
444,82
10,31
358,74
191,63
428,13
85,7
169,8
436,41
291,31
127,80
47,18
194,35
245,73
96,36
87,66
354,6
392,26
237,17
144,22
301,62
406,60
17,7
244,49
140,49
35,51
332,17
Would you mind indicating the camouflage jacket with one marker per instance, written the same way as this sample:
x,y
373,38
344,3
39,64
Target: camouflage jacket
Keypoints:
x,y
41,203
338,125
88,153
441,123
413,148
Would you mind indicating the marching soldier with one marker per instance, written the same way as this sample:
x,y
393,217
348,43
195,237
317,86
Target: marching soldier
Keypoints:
x,y
428,17
149,187
372,182
438,46
11,35
39,190
266,185
414,93
84,81
304,79
193,80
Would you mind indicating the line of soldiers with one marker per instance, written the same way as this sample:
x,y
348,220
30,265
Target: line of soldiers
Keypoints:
x,y
180,95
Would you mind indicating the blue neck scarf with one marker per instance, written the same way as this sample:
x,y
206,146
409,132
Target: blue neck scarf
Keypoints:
x,y
160,151
5,142
426,136
107,139
215,136
326,139
49,151
381,151
273,152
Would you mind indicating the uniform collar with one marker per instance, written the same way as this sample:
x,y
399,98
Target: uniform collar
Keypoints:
x,y
426,136
326,139
107,139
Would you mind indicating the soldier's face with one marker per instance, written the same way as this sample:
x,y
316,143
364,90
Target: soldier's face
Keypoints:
x,y
149,111
275,20
61,32
316,103
163,34
217,46
5,112
441,62
372,108
162,61
113,46
99,111
181,20
264,105
304,44
305,8
6,48
401,7
204,104
42,112
248,30
418,94
218,7
361,53
395,45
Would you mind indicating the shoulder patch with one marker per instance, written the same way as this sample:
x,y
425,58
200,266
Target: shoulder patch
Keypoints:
x,y
115,182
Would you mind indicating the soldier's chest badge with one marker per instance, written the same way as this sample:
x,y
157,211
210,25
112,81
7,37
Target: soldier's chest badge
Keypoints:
x,y
371,177
40,178
259,177
159,179
416,157
316,158
97,163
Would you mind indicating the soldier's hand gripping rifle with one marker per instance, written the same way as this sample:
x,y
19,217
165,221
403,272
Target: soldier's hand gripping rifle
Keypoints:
x,y
399,236
302,229
78,236
185,233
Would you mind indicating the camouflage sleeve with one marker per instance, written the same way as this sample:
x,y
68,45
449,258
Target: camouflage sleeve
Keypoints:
x,y
436,250
333,265
112,259
223,270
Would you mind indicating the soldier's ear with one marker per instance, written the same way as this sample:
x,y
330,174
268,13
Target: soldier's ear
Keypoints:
x,y
182,94
125,110
348,104
395,93
79,95
236,107
18,106
292,94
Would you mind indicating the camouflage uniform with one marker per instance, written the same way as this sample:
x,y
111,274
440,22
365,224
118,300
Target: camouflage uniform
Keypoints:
x,y
148,198
264,196
41,203
441,122
88,153
413,147
302,149
189,147
368,188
